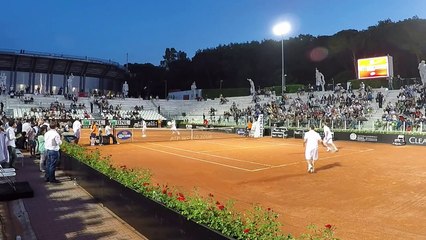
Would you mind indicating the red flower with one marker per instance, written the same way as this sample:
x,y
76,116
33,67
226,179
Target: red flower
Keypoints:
x,y
145,184
180,195
247,230
164,190
181,198
211,195
169,194
221,207
269,209
328,226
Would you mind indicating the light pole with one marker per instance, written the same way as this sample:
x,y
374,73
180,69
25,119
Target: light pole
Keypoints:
x,y
280,30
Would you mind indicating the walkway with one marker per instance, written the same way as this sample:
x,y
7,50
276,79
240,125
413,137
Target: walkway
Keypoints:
x,y
62,211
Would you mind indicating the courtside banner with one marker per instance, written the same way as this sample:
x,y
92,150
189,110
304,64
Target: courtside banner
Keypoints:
x,y
240,131
379,138
124,135
88,122
120,123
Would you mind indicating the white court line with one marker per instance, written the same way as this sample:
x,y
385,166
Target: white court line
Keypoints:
x,y
212,155
194,158
277,166
322,159
237,147
238,168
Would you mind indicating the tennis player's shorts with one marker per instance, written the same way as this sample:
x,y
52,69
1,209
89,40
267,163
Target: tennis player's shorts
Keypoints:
x,y
328,141
311,154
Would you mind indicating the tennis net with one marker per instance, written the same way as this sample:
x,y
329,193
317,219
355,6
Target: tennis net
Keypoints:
x,y
166,134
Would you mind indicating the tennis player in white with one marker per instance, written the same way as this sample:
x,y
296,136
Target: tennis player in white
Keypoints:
x,y
328,139
310,142
143,128
173,127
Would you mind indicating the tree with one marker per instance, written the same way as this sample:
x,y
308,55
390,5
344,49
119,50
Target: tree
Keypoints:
x,y
170,55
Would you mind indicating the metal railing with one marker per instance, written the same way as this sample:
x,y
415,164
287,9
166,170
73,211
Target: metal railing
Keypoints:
x,y
339,124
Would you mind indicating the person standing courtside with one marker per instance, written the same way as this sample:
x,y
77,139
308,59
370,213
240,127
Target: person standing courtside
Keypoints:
x,y
76,128
94,131
52,142
310,142
11,144
109,133
41,148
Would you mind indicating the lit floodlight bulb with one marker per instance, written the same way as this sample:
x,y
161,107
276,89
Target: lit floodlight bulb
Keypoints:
x,y
282,28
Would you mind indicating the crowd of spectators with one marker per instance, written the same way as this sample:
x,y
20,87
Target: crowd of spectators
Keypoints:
x,y
345,109
406,113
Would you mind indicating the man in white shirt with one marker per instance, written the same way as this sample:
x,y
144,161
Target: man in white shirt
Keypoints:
x,y
328,139
110,134
26,127
310,142
76,128
143,128
11,144
52,142
174,128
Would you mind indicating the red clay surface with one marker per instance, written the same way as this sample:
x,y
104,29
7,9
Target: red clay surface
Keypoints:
x,y
366,190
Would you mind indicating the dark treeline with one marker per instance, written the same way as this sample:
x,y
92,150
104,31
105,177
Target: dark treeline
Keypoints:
x,y
228,66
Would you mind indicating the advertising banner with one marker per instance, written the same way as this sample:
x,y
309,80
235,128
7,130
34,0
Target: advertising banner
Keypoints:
x,y
381,138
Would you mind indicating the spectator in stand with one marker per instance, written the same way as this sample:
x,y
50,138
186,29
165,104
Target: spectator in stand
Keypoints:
x,y
379,99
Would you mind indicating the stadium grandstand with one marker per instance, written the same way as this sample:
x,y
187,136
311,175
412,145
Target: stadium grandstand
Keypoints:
x,y
29,72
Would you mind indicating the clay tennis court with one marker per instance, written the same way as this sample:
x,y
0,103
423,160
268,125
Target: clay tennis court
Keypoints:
x,y
368,191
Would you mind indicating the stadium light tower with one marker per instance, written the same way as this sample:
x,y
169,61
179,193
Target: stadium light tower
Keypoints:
x,y
281,29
